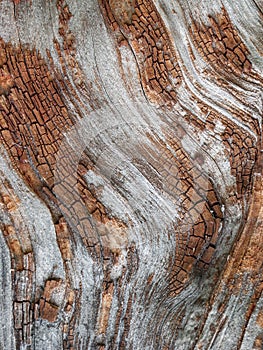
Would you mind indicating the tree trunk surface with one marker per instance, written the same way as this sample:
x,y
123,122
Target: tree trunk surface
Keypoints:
x,y
131,174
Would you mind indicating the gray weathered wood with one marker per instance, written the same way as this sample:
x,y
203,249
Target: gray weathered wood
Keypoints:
x,y
131,174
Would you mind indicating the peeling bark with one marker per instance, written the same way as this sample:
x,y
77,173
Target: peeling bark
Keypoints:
x,y
131,174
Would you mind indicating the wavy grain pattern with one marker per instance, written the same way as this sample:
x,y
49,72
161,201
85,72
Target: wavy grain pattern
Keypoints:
x,y
131,175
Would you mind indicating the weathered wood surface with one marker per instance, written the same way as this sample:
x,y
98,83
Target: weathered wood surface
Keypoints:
x,y
131,174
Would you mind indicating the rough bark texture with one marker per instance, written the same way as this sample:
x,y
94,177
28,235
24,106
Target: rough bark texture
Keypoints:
x,y
131,174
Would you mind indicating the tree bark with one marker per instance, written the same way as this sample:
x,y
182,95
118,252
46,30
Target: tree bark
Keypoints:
x,y
131,174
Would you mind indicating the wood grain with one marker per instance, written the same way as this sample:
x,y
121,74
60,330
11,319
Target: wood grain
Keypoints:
x,y
131,175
